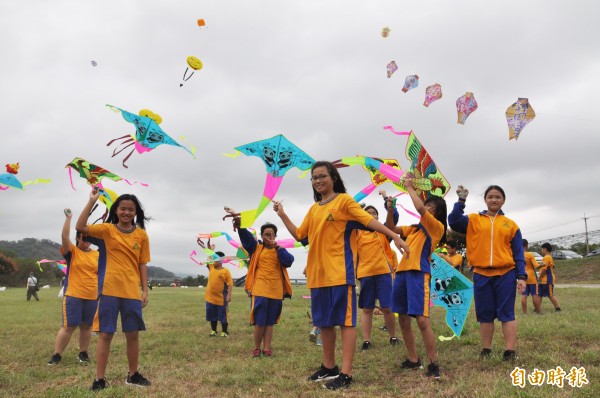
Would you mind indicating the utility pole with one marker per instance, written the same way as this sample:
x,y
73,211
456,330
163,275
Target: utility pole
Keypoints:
x,y
587,241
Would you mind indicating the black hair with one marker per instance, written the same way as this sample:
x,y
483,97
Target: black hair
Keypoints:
x,y
371,207
525,242
140,217
440,214
497,188
77,235
547,246
268,225
338,184
452,243
220,254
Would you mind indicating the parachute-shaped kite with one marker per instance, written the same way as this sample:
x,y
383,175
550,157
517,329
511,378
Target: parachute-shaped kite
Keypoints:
x,y
411,81
465,105
391,68
193,63
432,94
518,115
148,134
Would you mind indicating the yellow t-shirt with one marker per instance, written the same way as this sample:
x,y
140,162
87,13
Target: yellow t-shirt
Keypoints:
x,y
547,271
121,254
372,256
217,280
456,260
328,228
421,244
530,265
268,278
82,273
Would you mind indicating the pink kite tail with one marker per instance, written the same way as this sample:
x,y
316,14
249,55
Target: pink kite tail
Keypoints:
x,y
71,179
272,186
192,254
134,182
396,132
3,187
366,191
411,212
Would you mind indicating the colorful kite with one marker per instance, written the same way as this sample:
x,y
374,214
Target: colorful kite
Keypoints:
x,y
452,291
391,68
411,81
193,63
148,134
432,94
377,176
279,155
385,32
241,262
518,115
465,105
62,264
8,179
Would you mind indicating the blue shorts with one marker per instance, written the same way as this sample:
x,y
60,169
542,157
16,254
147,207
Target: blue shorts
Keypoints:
x,y
76,310
333,306
376,287
108,311
546,289
495,297
265,311
411,293
531,290
216,312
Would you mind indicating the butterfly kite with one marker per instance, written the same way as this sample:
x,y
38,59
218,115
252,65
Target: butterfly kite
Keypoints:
x,y
452,291
518,115
432,94
279,155
465,105
8,179
148,134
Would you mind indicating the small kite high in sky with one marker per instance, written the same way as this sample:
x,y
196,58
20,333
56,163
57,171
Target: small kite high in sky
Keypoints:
x,y
279,155
518,115
411,81
8,179
465,105
201,23
193,63
432,94
391,68
385,32
148,134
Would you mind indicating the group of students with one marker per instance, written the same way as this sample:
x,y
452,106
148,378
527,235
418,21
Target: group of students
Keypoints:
x,y
338,255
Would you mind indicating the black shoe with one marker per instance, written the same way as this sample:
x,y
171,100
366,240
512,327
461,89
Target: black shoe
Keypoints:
x,y
99,384
394,340
325,374
509,356
55,359
557,309
366,345
411,365
342,381
137,379
433,370
485,353
83,357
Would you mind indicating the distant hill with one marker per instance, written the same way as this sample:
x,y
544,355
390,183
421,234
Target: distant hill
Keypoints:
x,y
32,248
159,273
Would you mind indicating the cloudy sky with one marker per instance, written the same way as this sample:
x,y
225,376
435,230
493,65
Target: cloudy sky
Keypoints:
x,y
314,71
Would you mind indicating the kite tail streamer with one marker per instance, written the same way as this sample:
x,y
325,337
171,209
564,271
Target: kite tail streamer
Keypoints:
x,y
366,191
443,338
396,132
233,155
38,181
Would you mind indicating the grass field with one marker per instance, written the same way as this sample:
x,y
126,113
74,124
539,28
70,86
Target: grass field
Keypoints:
x,y
182,361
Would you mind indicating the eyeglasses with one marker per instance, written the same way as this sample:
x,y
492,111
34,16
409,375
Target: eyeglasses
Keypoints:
x,y
319,177
269,235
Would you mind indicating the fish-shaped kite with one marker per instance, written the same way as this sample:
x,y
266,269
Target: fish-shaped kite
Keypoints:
x,y
465,105
279,155
148,134
518,115
432,94
8,179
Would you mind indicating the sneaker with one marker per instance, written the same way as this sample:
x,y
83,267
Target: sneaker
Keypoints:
x,y
557,309
394,340
342,381
55,359
509,356
137,380
99,384
83,357
213,333
256,353
312,336
433,370
325,374
268,353
384,328
224,334
485,353
366,345
408,364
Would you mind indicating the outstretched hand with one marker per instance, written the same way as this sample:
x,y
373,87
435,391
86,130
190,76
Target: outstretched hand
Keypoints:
x,y
462,192
95,194
68,213
278,208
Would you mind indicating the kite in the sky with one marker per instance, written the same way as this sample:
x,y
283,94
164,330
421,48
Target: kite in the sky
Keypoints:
x,y
201,23
8,179
377,176
148,134
452,291
411,81
193,63
391,68
465,105
279,155
61,264
518,115
432,94
385,32
94,63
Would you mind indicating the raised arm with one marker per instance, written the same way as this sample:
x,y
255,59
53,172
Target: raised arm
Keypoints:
x,y
417,202
289,225
66,229
247,240
457,219
390,221
379,227
81,225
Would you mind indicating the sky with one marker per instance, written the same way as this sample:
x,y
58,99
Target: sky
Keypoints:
x,y
313,71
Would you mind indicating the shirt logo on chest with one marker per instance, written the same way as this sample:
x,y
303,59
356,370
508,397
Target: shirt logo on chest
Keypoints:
x,y
136,246
330,217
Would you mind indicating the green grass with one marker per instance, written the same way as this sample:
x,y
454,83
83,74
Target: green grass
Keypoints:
x,y
181,360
